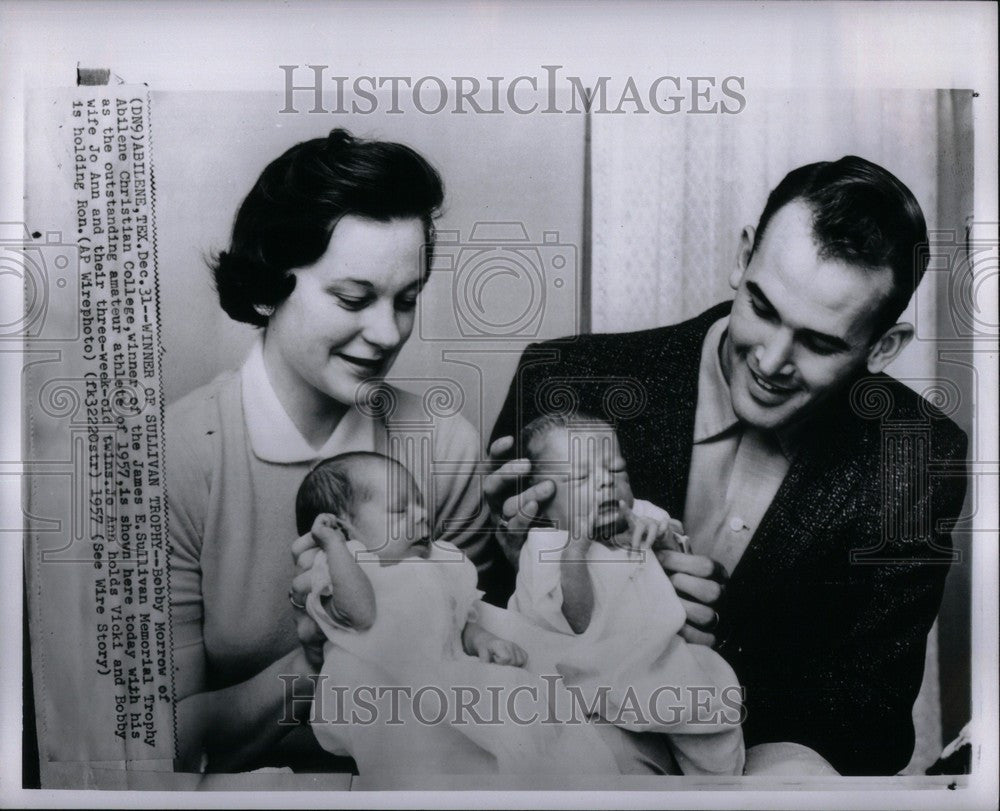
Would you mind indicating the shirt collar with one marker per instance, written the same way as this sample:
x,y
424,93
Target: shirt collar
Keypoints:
x,y
273,435
714,415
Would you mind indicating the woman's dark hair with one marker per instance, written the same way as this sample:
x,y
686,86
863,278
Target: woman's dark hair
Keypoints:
x,y
288,217
863,215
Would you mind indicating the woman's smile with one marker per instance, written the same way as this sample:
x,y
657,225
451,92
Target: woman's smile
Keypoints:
x,y
348,314
363,367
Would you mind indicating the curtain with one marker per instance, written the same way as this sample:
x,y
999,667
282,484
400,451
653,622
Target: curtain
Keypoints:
x,y
671,194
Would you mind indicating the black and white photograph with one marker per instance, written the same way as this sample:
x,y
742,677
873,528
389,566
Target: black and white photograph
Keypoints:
x,y
563,404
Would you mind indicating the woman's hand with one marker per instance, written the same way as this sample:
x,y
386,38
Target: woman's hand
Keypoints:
x,y
512,512
304,551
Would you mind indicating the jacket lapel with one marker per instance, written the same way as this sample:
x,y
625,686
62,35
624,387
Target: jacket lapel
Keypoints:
x,y
663,438
827,468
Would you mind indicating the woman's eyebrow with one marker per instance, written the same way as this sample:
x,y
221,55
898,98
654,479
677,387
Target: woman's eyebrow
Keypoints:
x,y
359,282
416,284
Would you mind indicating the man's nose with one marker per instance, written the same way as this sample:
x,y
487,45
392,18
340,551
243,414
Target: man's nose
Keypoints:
x,y
774,356
380,328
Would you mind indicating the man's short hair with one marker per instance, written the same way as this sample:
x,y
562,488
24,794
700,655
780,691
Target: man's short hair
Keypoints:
x,y
863,215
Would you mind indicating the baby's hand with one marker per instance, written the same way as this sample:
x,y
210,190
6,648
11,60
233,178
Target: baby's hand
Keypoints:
x,y
328,529
501,652
643,532
671,537
654,534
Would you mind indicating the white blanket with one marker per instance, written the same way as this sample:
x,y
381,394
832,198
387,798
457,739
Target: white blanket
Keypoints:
x,y
631,659
403,696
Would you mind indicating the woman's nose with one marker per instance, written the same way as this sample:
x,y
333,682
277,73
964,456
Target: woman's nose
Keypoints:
x,y
380,328
774,356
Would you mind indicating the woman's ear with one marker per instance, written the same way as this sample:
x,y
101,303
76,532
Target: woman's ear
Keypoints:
x,y
743,255
887,348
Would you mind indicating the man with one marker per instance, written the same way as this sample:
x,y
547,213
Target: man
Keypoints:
x,y
818,492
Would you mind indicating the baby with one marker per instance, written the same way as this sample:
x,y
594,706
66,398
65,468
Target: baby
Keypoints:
x,y
400,613
593,577
377,501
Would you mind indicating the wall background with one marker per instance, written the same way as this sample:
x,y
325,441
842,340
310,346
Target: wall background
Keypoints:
x,y
524,174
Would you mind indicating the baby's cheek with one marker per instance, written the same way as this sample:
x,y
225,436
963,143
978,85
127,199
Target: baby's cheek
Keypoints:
x,y
625,494
557,508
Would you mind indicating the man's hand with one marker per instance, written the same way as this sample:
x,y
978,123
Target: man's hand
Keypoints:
x,y
512,512
699,582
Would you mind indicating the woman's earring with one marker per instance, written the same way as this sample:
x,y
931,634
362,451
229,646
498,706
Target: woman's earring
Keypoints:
x,y
265,310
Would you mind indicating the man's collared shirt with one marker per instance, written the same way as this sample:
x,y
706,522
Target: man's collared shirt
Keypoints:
x,y
736,469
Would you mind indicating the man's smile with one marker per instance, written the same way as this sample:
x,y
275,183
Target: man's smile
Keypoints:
x,y
768,392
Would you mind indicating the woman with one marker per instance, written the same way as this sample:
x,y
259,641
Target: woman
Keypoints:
x,y
328,256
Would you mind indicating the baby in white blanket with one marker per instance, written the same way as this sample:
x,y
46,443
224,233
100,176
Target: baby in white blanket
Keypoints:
x,y
411,681
593,578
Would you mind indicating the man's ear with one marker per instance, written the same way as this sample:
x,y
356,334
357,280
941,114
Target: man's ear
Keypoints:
x,y
742,257
887,348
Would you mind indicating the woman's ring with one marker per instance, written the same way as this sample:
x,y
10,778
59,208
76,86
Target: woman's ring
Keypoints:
x,y
503,524
291,599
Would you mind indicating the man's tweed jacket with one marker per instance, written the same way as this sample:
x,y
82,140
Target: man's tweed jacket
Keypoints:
x,y
825,618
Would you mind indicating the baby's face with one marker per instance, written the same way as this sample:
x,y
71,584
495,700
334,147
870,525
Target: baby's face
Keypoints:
x,y
588,471
388,513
